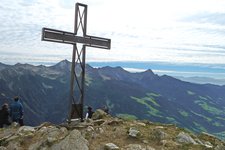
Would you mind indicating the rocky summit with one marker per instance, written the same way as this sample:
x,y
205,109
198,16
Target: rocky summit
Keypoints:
x,y
105,133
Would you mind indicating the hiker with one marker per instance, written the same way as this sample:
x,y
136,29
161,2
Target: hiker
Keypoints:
x,y
16,111
89,113
4,115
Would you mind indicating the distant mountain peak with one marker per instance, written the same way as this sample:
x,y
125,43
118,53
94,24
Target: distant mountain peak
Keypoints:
x,y
149,71
62,65
63,62
148,74
24,66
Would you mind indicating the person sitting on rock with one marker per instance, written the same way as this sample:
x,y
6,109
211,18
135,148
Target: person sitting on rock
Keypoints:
x,y
89,113
16,111
4,115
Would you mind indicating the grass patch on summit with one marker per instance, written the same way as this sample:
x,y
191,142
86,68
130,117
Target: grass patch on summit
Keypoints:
x,y
127,116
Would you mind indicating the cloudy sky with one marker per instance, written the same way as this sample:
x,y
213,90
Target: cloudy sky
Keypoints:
x,y
168,31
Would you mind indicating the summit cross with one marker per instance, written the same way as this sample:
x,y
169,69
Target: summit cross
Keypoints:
x,y
76,97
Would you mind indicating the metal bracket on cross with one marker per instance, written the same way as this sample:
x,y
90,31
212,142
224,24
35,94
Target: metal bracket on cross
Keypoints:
x,y
77,80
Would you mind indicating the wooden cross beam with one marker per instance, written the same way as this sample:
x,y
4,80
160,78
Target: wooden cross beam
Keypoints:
x,y
76,98
58,36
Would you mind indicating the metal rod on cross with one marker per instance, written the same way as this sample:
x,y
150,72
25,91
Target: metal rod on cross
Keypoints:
x,y
77,80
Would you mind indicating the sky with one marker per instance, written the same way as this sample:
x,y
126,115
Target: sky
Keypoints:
x,y
179,32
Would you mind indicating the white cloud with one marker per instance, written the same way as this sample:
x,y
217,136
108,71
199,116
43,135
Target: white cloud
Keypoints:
x,y
140,31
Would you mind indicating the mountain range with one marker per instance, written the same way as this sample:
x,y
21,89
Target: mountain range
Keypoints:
x,y
146,96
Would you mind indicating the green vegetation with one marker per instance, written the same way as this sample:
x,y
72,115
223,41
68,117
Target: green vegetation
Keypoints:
x,y
201,128
209,97
203,98
143,101
208,108
217,124
200,115
127,116
153,95
183,113
206,98
152,100
190,93
153,113
220,118
172,120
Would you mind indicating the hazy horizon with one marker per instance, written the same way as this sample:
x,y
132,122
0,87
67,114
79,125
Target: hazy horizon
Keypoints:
x,y
189,73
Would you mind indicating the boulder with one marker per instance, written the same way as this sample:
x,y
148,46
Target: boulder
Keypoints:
x,y
99,130
133,132
138,147
48,136
73,141
199,141
90,132
26,129
98,122
99,114
111,146
168,143
90,129
141,124
220,147
159,134
207,144
133,147
2,148
14,145
185,138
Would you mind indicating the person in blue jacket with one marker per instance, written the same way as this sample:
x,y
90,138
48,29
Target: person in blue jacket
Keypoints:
x,y
16,111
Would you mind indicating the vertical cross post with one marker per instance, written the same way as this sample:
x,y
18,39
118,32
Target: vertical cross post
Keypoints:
x,y
78,59
77,79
